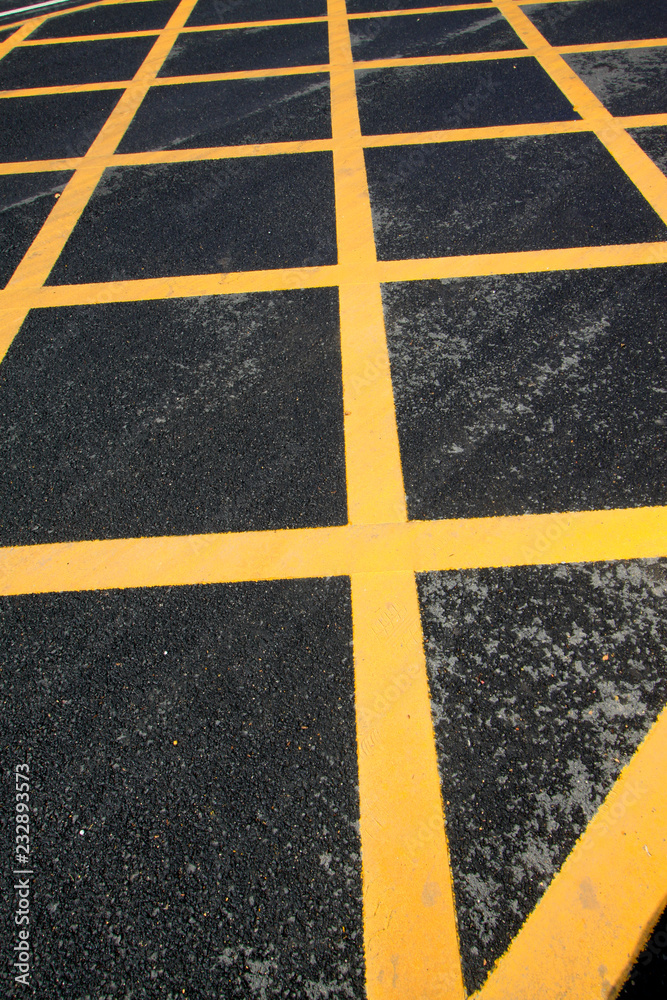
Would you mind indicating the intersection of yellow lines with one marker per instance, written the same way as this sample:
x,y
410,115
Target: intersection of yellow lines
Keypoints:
x,y
585,932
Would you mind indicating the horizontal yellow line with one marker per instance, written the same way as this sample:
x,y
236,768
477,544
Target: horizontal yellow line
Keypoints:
x,y
33,43
233,283
420,10
415,546
641,43
319,145
219,152
509,131
197,29
571,258
440,60
242,282
66,88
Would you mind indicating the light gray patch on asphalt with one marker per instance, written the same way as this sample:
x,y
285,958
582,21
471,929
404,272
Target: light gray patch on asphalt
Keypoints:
x,y
544,680
627,81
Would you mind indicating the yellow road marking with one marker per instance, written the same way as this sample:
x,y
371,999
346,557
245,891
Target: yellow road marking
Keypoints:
x,y
184,155
410,937
409,919
69,39
184,30
45,249
584,935
14,40
458,57
68,88
413,547
637,43
243,282
374,478
639,167
420,10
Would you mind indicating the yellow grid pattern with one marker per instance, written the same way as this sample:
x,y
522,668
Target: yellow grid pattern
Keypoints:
x,y
565,949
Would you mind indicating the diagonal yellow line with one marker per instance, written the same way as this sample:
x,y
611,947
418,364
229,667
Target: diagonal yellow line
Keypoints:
x,y
584,935
36,265
639,167
180,30
14,40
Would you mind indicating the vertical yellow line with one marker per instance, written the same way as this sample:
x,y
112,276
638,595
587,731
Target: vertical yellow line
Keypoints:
x,y
410,935
639,167
410,938
45,249
374,479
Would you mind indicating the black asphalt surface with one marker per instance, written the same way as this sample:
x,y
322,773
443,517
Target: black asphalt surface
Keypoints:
x,y
543,682
174,417
249,214
458,95
503,195
25,202
522,394
232,113
195,813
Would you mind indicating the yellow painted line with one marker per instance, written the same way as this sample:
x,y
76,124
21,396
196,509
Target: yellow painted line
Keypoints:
x,y
18,36
639,167
197,29
244,282
410,938
583,937
242,74
420,10
71,88
440,60
193,29
413,547
37,166
69,39
374,476
641,43
319,145
229,283
219,152
45,249
523,262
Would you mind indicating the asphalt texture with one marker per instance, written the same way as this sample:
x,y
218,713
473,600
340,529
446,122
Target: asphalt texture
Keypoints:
x,y
232,113
196,817
51,126
529,393
195,809
107,20
73,63
25,202
249,214
458,95
503,195
176,416
543,682
247,49
449,33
